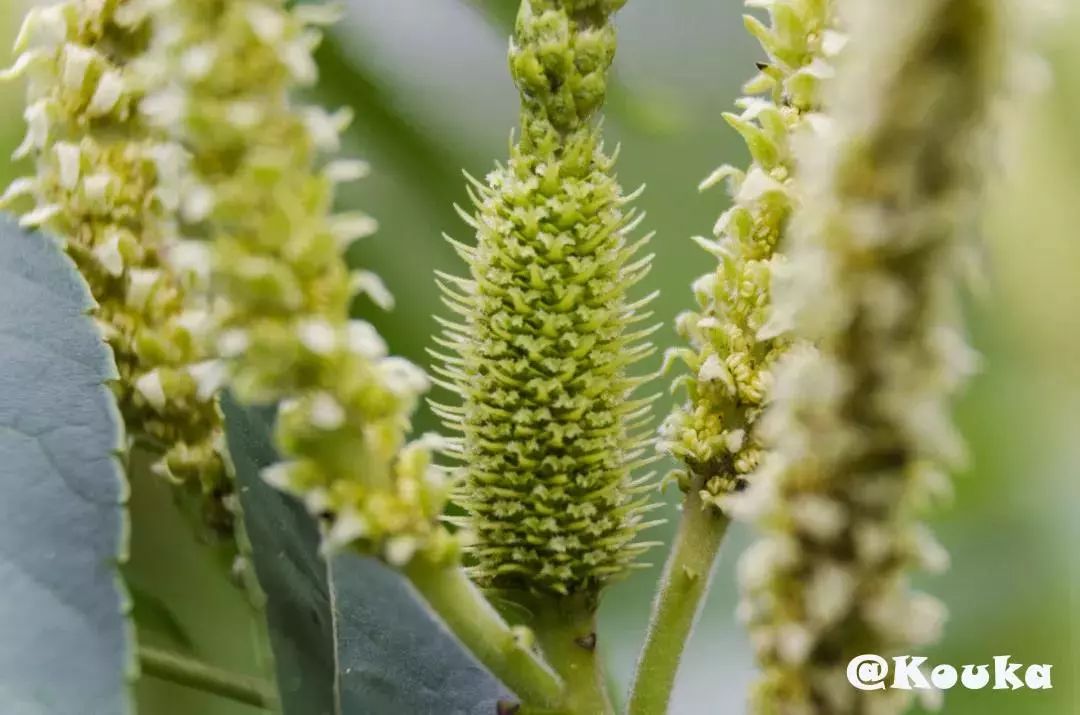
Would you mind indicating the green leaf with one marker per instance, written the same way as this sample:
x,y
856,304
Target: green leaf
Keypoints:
x,y
432,168
501,13
293,578
355,622
65,642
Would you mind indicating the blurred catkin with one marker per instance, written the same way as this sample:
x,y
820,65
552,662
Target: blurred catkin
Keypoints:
x,y
731,361
98,186
256,206
546,332
860,431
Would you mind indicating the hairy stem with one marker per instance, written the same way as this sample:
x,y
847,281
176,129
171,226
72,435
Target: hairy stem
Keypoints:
x,y
565,627
482,630
197,675
678,601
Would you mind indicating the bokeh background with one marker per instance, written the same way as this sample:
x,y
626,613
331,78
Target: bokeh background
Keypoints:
x,y
428,81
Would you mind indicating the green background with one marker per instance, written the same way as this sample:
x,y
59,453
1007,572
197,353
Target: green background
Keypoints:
x,y
428,82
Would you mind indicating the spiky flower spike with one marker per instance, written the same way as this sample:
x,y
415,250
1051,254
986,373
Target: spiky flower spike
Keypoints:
x,y
545,339
280,287
714,434
860,425
97,186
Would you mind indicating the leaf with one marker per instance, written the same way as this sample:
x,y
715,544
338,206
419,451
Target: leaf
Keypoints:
x,y
397,658
293,577
501,13
432,169
357,622
66,645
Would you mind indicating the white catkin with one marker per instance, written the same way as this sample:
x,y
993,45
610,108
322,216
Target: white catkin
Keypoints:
x,y
860,412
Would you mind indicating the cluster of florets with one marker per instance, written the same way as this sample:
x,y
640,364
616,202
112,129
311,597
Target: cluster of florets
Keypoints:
x,y
545,340
98,186
732,351
860,430
255,205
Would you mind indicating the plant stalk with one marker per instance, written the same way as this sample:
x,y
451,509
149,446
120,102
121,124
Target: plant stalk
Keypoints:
x,y
565,628
483,631
686,579
197,675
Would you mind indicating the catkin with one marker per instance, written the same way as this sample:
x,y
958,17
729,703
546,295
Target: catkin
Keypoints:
x,y
256,191
99,186
860,431
731,356
546,333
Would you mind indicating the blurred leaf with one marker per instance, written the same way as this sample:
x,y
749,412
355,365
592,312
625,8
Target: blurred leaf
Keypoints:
x,y
357,621
502,13
345,80
648,111
66,644
177,566
152,615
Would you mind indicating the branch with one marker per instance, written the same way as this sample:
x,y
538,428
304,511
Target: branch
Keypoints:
x,y
565,627
476,623
197,675
685,582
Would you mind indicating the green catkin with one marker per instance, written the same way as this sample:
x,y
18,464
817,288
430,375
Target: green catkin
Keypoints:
x,y
859,432
731,361
546,333
97,186
256,209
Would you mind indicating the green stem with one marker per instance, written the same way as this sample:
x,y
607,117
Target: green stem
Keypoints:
x,y
682,590
195,674
482,630
565,627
